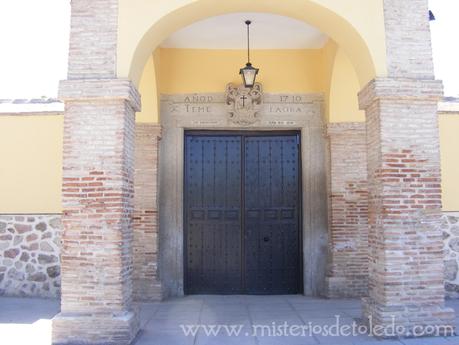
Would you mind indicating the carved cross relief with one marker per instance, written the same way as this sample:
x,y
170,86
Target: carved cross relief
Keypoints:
x,y
243,103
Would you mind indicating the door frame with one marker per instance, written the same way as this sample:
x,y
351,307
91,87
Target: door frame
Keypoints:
x,y
243,135
208,111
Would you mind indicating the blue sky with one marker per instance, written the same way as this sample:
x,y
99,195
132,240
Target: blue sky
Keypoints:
x,y
34,46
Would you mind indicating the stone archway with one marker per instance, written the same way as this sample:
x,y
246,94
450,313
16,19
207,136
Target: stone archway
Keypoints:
x,y
362,41
406,262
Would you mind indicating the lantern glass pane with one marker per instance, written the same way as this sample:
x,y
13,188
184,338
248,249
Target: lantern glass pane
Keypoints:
x,y
249,77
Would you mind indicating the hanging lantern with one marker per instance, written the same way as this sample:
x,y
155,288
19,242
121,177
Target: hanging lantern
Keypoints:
x,y
248,73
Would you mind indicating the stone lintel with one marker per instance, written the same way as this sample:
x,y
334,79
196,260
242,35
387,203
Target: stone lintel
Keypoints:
x,y
345,128
97,90
400,89
209,111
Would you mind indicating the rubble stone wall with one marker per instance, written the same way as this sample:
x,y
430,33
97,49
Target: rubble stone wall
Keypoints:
x,y
29,255
450,228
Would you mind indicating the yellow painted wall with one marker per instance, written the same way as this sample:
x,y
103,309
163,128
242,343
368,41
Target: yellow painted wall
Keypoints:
x,y
149,92
449,141
344,86
31,164
198,70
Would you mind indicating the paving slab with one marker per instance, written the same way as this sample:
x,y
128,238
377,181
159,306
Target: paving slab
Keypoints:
x,y
25,321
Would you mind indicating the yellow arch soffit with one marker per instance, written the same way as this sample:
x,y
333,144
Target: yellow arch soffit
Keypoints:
x,y
356,25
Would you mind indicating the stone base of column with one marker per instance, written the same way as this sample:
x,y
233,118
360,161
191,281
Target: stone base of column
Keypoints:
x,y
407,320
94,329
346,287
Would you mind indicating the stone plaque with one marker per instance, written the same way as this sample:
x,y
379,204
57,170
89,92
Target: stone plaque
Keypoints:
x,y
241,108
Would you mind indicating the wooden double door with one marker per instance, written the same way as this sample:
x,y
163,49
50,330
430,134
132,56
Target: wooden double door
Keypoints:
x,y
242,206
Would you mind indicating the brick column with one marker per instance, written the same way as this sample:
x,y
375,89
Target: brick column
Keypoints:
x,y
97,189
146,283
347,273
96,300
405,240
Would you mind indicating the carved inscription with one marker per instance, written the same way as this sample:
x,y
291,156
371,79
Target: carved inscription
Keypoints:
x,y
279,109
287,104
198,99
198,104
281,123
191,108
291,99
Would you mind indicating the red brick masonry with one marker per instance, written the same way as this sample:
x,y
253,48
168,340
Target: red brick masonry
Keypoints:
x,y
347,272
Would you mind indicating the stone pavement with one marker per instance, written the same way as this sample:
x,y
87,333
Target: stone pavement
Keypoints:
x,y
27,321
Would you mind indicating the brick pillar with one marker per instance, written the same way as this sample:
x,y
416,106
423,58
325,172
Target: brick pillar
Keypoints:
x,y
405,240
146,283
347,273
98,189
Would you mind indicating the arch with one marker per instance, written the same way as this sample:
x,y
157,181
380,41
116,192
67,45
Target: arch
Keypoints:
x,y
145,24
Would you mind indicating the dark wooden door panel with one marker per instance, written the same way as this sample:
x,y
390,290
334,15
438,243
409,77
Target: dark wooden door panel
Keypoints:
x,y
271,185
213,214
242,214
